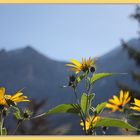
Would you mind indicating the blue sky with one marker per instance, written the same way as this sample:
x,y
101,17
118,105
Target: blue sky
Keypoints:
x,y
66,31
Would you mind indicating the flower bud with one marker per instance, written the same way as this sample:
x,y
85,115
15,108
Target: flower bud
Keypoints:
x,y
92,69
26,115
72,79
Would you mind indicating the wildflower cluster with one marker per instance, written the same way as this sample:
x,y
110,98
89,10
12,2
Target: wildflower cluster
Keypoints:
x,y
9,102
6,99
119,104
92,117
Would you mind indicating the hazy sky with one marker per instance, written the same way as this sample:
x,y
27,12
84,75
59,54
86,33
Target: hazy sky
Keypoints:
x,y
66,31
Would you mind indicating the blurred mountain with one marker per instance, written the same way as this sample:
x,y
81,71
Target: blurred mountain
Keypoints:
x,y
42,77
117,61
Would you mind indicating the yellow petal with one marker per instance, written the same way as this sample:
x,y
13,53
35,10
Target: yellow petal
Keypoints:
x,y
88,62
83,61
71,65
2,92
109,105
112,101
3,102
18,94
82,123
126,98
121,97
76,62
22,100
87,125
126,95
116,99
113,107
137,102
97,118
135,108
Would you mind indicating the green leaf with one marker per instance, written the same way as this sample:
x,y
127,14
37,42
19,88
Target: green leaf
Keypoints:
x,y
18,115
80,77
111,122
4,131
15,108
17,112
134,116
100,108
63,108
84,104
98,76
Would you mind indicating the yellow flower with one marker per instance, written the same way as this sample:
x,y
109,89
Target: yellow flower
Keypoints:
x,y
16,98
85,65
90,121
136,105
118,103
2,93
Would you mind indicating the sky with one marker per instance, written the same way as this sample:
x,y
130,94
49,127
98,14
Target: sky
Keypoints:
x,y
69,31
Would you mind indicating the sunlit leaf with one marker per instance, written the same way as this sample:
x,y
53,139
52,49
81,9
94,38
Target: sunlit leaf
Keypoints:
x,y
111,122
17,113
4,131
84,104
98,76
80,77
100,108
63,108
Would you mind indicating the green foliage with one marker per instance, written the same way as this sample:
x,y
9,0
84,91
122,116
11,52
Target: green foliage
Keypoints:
x,y
21,115
98,76
64,108
17,113
111,122
86,103
4,131
80,77
100,108
26,114
82,108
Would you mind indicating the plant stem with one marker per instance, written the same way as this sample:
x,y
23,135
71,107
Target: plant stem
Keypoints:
x,y
94,132
88,88
124,115
17,126
81,112
78,102
1,122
